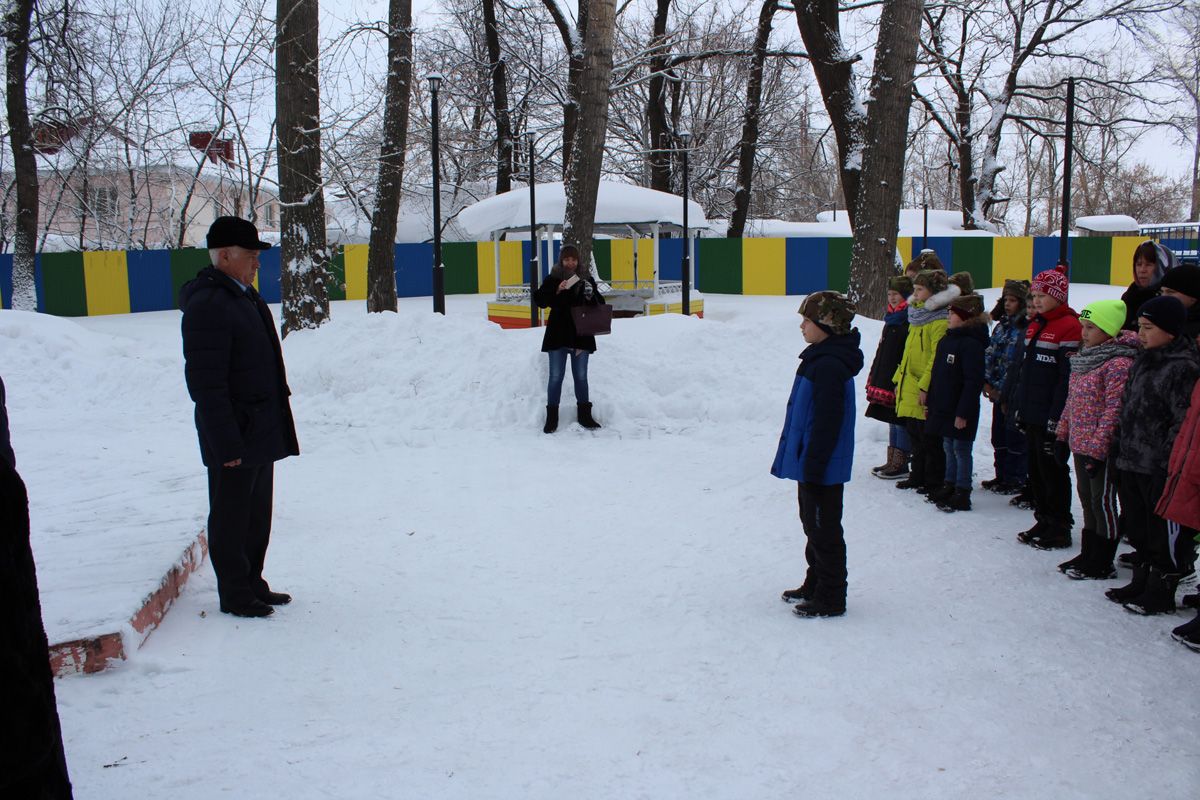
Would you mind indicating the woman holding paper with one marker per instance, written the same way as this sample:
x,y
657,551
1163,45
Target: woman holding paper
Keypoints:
x,y
565,287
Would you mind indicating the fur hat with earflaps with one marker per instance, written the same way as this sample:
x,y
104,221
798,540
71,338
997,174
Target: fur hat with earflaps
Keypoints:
x,y
1017,289
901,284
969,308
926,259
832,311
934,280
963,281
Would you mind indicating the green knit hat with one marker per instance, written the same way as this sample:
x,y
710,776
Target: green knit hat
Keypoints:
x,y
1107,315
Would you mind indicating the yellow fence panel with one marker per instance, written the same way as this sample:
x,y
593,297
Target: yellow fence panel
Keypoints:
x,y
106,281
764,266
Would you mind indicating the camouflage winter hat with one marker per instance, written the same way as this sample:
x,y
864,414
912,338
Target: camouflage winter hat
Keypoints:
x,y
1017,289
833,311
901,284
963,281
926,259
934,280
967,306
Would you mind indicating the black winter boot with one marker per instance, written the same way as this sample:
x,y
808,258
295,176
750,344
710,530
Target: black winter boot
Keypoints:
x,y
1188,634
1159,596
1137,585
1099,565
1053,539
817,607
1029,536
800,594
1191,601
1086,539
551,420
960,500
941,494
585,417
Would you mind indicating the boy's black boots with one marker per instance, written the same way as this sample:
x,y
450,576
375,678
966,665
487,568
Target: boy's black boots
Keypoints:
x,y
1133,589
1086,544
585,417
1188,634
959,500
551,420
1158,596
1097,554
1053,539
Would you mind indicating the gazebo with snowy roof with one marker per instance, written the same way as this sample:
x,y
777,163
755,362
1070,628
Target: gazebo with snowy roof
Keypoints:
x,y
622,211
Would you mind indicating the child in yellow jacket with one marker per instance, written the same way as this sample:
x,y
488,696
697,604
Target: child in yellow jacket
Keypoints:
x,y
927,313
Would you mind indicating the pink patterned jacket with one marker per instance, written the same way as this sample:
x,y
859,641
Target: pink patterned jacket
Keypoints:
x,y
1094,402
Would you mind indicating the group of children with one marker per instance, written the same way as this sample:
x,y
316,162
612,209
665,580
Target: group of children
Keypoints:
x,y
1114,389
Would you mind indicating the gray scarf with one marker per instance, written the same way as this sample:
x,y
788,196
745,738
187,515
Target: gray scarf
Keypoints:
x,y
1089,358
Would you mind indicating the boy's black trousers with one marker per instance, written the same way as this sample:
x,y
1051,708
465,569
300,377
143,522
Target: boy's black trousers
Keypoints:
x,y
825,552
1050,483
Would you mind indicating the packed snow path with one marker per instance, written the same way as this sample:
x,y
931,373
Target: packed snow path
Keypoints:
x,y
485,611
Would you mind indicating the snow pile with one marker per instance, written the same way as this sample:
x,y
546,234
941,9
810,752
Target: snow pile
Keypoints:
x,y
486,611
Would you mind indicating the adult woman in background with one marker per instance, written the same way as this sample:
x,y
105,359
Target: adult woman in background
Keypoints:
x,y
565,287
1150,262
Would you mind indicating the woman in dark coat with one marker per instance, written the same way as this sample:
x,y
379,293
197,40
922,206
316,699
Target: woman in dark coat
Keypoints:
x,y
1150,262
565,287
881,388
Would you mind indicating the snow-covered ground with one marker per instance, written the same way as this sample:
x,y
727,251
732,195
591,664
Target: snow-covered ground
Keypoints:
x,y
483,611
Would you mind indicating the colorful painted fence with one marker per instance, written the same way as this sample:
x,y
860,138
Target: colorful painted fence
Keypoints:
x,y
119,282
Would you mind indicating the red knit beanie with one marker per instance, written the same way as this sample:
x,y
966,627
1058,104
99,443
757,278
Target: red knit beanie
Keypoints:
x,y
1052,282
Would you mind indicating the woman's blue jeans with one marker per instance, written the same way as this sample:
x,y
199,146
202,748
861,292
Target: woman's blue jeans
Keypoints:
x,y
898,438
558,370
959,461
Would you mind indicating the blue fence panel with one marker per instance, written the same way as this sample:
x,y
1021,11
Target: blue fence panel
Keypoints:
x,y
807,269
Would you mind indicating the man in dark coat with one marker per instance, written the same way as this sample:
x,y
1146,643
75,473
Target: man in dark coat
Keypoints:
x,y
33,764
235,374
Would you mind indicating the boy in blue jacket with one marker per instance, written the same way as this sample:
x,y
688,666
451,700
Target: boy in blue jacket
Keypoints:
x,y
816,448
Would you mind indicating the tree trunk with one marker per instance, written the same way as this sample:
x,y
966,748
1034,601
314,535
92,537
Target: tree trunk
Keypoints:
x,y
573,42
16,58
381,256
504,134
304,257
834,69
583,179
657,127
749,143
873,254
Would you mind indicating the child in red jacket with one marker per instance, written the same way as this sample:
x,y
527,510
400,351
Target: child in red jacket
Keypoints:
x,y
1180,502
1088,423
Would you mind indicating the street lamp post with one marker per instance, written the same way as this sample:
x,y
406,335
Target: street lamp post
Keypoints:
x,y
439,283
534,271
685,139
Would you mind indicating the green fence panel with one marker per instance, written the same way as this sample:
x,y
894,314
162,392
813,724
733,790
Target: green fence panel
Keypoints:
x,y
839,263
720,267
336,283
602,255
973,254
184,266
64,292
1091,259
461,260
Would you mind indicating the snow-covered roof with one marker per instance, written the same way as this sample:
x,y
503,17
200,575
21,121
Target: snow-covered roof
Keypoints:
x,y
830,223
618,206
1107,223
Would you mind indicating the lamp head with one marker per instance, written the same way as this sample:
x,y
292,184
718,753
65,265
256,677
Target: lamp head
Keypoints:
x,y
435,81
685,139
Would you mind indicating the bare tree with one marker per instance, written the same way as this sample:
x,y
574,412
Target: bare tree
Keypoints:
x,y
587,152
381,277
749,143
499,76
878,211
1177,55
305,258
16,59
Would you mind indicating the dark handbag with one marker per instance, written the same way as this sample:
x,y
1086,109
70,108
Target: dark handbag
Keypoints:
x,y
592,320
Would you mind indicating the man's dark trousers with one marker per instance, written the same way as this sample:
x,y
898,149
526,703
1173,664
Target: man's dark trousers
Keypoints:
x,y
821,517
239,529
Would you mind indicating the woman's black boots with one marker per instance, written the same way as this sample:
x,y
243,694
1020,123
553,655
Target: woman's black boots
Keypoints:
x,y
585,416
551,419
